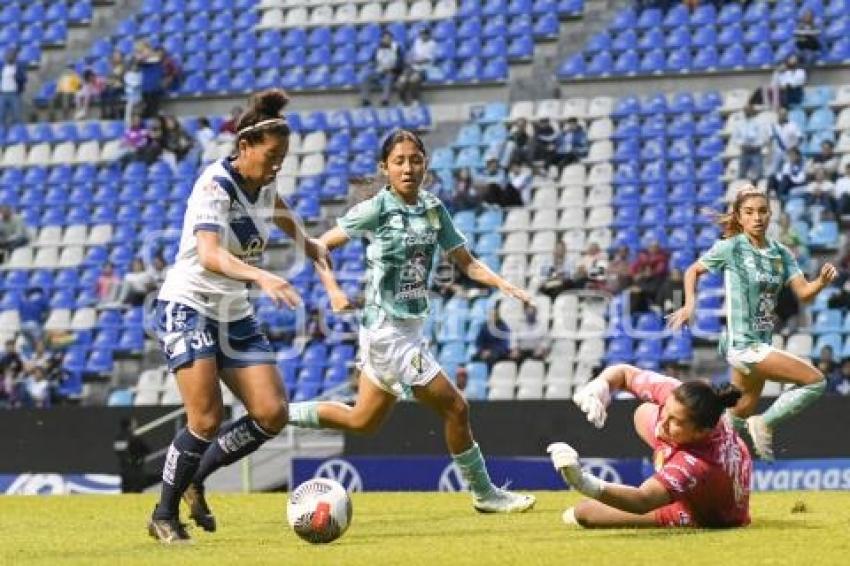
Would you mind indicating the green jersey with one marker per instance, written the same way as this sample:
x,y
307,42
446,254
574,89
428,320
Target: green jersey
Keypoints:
x,y
400,255
753,278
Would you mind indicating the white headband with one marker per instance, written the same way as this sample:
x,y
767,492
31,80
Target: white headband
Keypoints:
x,y
262,124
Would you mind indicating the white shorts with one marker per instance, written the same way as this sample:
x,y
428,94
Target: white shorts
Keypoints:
x,y
393,354
744,359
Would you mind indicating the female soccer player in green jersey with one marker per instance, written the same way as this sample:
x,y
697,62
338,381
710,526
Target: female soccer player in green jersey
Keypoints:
x,y
755,268
406,225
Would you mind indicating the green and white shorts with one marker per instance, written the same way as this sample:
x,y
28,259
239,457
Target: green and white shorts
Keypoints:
x,y
743,359
393,354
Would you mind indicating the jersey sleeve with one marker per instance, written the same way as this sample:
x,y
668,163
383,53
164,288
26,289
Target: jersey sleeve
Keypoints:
x,y
208,208
789,264
653,387
681,475
360,219
718,256
449,238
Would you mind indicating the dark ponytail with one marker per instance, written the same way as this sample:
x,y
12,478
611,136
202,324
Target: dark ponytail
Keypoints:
x,y
263,116
705,402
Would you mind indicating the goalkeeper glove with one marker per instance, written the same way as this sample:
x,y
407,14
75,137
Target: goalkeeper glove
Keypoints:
x,y
565,460
593,399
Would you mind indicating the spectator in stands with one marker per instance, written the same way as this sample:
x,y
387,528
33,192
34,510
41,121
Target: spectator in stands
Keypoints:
x,y
13,81
826,362
13,230
784,135
820,183
420,65
493,341
671,292
113,89
134,140
519,146
11,367
154,149
792,81
816,197
594,262
33,311
619,271
467,195
842,191
826,160
228,127
791,176
545,144
67,87
521,179
174,138
132,91
138,283
556,274
650,268
152,68
89,93
807,37
172,74
387,67
35,389
572,145
530,338
107,282
39,357
205,136
751,135
841,299
839,382
492,182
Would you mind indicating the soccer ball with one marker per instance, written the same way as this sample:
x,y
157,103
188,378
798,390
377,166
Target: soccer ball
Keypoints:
x,y
319,510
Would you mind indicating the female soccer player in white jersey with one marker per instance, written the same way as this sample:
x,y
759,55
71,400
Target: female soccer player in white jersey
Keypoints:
x,y
755,268
205,322
406,225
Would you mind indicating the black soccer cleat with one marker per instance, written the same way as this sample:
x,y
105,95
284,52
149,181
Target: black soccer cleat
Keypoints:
x,y
169,531
199,511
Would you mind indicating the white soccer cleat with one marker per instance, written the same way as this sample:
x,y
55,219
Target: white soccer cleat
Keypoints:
x,y
503,501
762,436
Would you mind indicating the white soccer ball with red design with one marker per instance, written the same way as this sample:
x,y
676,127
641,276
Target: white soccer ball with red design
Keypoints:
x,y
319,510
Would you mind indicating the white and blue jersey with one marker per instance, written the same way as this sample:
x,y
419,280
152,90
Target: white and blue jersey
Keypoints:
x,y
201,314
219,204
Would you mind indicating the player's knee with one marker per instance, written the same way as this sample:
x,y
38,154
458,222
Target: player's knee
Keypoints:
x,y
584,513
205,424
459,410
272,416
367,425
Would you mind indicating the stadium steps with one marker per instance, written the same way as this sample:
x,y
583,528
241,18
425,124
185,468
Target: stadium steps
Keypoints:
x,y
541,81
106,16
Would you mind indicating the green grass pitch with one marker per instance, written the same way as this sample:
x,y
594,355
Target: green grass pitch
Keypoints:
x,y
416,528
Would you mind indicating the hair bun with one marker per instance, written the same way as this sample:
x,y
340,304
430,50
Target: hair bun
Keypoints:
x,y
270,102
728,394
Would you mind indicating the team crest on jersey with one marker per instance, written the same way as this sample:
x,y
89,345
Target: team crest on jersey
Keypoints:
x,y
433,216
396,222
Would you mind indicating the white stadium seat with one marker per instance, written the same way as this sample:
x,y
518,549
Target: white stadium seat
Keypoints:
x,y
88,152
39,154
10,321
420,10
21,258
600,107
575,108
75,235
65,152
503,372
58,319
396,11
523,109
545,219
46,258
15,155
575,174
515,242
600,129
296,17
549,109
49,236
100,234
71,256
84,319
371,12
272,19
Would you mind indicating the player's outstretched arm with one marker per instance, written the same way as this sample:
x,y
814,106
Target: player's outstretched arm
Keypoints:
x,y
332,239
805,290
681,317
638,500
478,271
213,257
